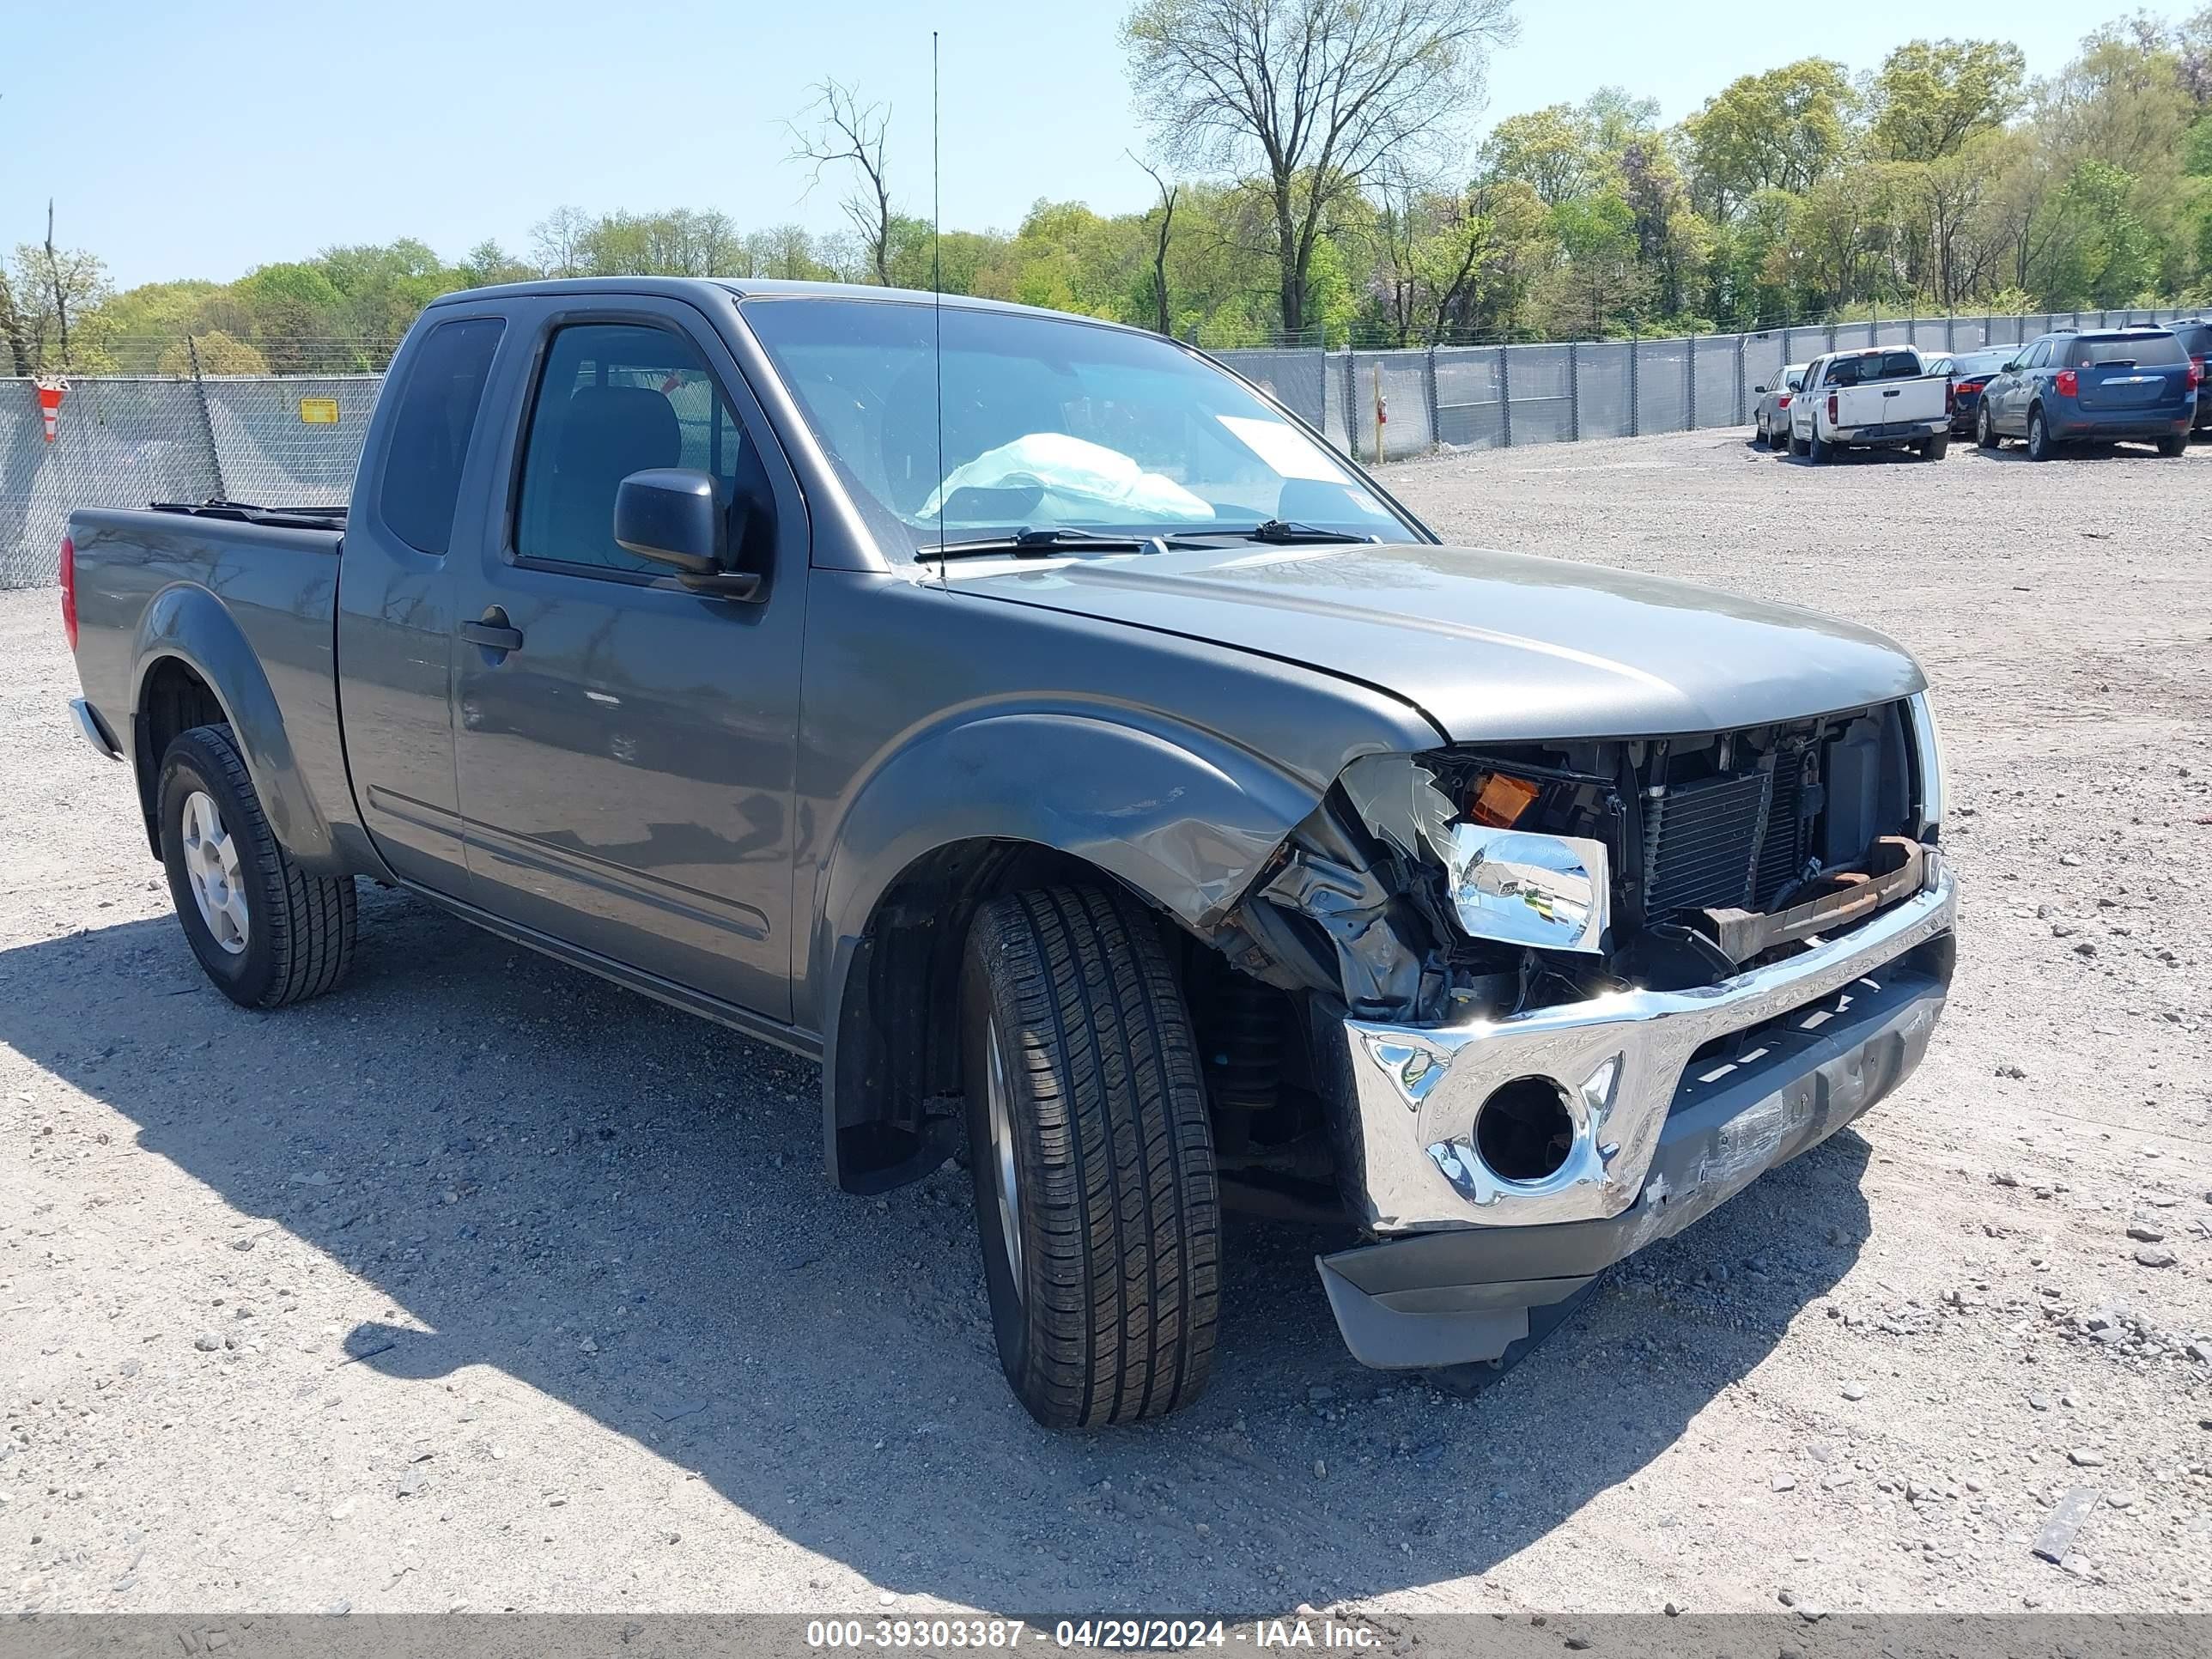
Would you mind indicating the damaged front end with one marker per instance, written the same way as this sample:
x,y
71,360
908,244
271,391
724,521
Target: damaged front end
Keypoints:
x,y
1560,1001
1532,976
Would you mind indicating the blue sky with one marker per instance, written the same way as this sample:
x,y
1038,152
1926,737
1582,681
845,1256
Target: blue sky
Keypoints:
x,y
187,138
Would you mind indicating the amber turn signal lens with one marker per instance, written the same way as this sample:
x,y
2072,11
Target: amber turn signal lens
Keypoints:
x,y
1499,801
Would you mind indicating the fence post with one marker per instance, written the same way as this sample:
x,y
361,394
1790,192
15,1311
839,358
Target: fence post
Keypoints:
x,y
1505,398
1574,391
1435,421
1690,382
1635,415
207,421
1738,381
1351,404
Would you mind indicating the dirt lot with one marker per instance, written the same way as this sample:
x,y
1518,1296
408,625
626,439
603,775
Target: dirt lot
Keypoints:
x,y
483,1283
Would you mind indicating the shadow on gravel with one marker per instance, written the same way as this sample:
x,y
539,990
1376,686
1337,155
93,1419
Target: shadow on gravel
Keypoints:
x,y
623,1208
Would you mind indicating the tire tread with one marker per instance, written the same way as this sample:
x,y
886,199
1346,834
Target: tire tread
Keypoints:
x,y
1123,1219
311,920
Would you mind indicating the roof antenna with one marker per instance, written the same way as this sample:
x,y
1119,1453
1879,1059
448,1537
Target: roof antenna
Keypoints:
x,y
937,298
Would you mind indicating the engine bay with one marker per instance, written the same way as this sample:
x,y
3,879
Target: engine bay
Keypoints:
x,y
1659,863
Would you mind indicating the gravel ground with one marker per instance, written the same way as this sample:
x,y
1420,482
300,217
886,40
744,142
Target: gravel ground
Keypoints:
x,y
483,1283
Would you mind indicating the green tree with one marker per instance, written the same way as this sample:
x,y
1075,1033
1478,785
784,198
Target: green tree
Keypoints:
x,y
1932,96
1785,130
1549,149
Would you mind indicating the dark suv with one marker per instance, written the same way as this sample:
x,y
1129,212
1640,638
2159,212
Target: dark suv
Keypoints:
x,y
2195,334
2105,385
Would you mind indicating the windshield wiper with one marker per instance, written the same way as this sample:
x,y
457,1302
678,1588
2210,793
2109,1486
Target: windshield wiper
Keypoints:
x,y
1284,532
1034,544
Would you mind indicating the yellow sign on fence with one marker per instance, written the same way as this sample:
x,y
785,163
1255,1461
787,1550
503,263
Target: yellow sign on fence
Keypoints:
x,y
318,411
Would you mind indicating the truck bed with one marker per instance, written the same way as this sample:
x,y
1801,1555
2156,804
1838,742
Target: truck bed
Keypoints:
x,y
222,580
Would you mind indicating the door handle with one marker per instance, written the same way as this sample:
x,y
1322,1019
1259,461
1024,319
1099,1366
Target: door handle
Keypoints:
x,y
493,633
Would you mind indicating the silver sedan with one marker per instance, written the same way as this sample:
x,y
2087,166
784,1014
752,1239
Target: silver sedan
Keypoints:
x,y
1772,415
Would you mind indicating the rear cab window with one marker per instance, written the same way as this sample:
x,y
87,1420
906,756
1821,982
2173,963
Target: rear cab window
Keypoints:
x,y
1871,366
431,429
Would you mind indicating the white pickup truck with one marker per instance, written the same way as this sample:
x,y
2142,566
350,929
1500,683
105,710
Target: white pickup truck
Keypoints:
x,y
1878,397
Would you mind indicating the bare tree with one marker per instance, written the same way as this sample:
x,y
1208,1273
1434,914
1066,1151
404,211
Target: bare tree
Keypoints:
x,y
557,241
841,131
1322,93
58,285
1163,313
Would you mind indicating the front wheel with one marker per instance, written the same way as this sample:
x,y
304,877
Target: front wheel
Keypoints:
x,y
1759,439
1798,447
1986,429
1097,1203
1819,449
267,932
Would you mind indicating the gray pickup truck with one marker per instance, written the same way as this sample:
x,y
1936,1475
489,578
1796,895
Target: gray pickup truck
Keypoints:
x,y
1038,725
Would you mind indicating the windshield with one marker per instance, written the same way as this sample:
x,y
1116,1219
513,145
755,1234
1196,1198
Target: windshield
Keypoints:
x,y
1976,363
1048,424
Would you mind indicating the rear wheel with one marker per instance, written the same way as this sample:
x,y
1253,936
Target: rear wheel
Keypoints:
x,y
1936,448
2177,444
1095,1198
2040,448
267,932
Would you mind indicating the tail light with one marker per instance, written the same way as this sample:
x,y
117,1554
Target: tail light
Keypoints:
x,y
69,590
1834,419
1782,402
1970,385
2070,384
1950,400
2196,372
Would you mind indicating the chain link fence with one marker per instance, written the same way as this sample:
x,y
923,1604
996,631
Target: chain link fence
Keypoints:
x,y
293,440
1490,396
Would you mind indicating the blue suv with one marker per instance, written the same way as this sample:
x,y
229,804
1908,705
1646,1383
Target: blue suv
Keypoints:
x,y
2112,384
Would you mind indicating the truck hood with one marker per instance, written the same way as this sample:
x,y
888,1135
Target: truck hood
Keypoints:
x,y
1494,647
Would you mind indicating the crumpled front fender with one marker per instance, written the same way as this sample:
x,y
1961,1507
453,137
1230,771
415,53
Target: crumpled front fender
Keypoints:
x,y
1181,816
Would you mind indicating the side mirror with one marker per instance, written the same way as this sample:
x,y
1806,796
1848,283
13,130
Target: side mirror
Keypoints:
x,y
679,516
1761,389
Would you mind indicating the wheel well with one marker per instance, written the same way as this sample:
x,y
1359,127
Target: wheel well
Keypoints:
x,y
173,699
899,1020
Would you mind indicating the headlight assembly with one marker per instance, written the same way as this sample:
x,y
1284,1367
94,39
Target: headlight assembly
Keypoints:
x,y
1519,888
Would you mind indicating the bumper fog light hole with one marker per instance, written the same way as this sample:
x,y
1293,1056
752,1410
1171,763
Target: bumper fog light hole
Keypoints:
x,y
1522,1131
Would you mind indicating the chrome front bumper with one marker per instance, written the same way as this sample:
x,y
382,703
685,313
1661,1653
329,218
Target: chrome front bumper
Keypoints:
x,y
1617,1061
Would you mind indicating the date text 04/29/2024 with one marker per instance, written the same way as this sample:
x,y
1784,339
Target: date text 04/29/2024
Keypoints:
x,y
1124,1635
